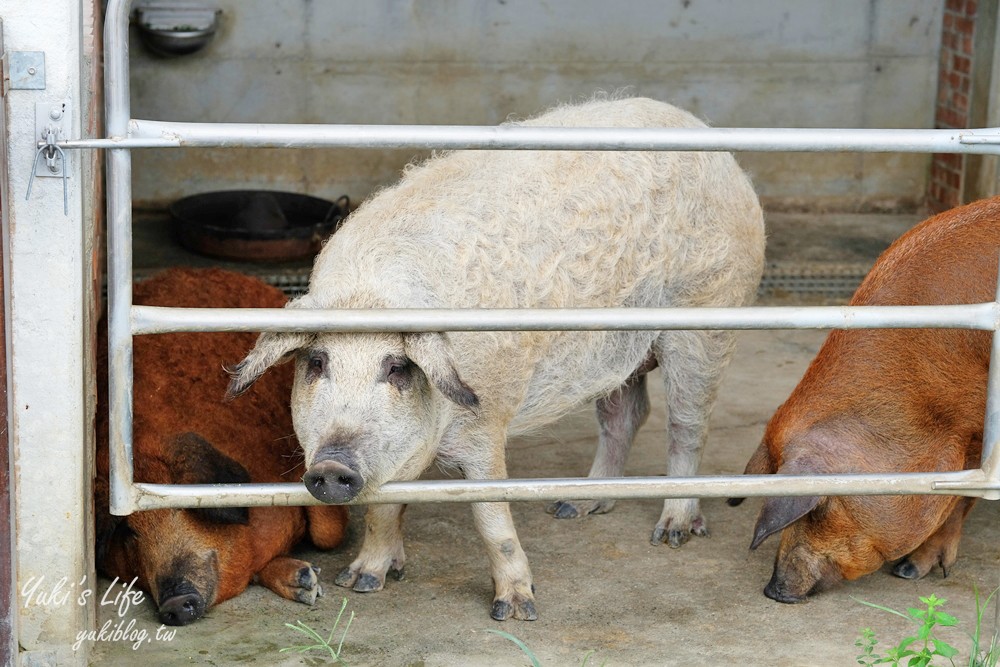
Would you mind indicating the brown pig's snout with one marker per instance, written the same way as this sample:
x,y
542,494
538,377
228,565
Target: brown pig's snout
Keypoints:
x,y
182,609
180,602
776,590
333,482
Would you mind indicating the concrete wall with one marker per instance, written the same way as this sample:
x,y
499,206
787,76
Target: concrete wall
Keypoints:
x,y
49,269
802,63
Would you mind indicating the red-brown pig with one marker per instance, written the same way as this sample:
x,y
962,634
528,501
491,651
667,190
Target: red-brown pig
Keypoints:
x,y
185,433
881,401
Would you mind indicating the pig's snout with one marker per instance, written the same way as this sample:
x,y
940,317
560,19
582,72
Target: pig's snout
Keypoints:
x,y
333,482
182,609
777,591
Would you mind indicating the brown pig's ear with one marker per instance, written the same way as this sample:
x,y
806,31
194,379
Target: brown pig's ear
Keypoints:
x,y
195,461
778,513
431,352
760,463
271,348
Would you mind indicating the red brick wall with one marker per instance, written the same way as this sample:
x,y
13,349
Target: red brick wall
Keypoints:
x,y
954,92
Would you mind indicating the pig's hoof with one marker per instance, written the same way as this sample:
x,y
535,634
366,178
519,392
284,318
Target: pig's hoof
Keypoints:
x,y
308,596
906,569
523,610
308,587
346,578
308,576
292,579
572,509
362,582
368,583
676,537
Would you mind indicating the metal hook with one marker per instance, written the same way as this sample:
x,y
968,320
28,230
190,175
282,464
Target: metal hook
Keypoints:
x,y
52,148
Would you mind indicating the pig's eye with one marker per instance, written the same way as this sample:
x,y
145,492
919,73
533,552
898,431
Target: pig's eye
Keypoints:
x,y
315,365
397,371
123,532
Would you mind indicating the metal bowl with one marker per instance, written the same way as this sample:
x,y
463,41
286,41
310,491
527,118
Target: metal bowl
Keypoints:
x,y
256,225
175,27
175,42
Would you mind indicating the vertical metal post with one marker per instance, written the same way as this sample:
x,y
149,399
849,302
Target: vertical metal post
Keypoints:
x,y
991,430
119,257
991,425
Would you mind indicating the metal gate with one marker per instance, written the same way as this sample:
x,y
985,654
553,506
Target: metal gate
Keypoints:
x,y
127,320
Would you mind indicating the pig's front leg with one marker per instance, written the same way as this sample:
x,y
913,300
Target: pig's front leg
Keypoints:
x,y
292,579
381,552
941,548
513,592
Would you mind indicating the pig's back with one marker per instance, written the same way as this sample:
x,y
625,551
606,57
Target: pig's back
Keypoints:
x,y
950,258
514,229
555,229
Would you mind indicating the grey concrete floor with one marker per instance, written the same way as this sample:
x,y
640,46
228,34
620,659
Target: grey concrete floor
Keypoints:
x,y
601,586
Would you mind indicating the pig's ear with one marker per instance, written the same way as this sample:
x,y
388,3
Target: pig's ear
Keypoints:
x,y
107,525
194,461
271,348
778,513
759,464
431,352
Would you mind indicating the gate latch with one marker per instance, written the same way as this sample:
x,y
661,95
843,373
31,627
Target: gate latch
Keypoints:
x,y
52,125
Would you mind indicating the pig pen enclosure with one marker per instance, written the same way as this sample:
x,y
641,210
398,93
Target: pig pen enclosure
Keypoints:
x,y
601,586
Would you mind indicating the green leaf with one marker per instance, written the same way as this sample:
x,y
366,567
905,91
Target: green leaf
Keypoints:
x,y
880,607
946,619
943,649
306,630
520,644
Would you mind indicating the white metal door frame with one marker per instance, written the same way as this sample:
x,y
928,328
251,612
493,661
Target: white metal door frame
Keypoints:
x,y
127,320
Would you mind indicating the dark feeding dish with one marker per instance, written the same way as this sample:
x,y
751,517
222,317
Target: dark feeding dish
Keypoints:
x,y
256,225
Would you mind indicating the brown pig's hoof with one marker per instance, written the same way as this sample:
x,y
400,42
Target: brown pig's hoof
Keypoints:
x,y
906,570
292,579
522,611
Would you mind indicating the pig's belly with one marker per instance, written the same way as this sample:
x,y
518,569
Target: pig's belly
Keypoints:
x,y
577,368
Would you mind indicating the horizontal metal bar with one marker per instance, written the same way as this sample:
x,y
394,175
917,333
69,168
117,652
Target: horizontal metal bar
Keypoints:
x,y
156,319
162,134
965,482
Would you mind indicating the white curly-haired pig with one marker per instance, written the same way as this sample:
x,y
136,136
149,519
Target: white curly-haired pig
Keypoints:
x,y
518,229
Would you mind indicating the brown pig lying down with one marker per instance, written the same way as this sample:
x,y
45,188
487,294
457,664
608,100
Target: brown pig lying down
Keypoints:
x,y
882,401
184,433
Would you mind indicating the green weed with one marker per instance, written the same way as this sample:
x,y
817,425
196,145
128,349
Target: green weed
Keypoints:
x,y
531,656
926,648
320,643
